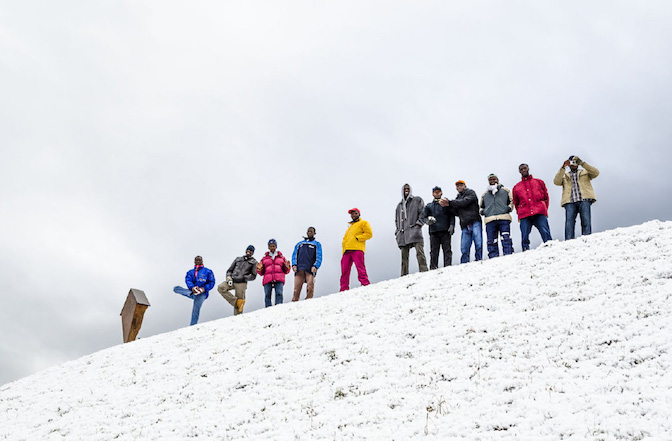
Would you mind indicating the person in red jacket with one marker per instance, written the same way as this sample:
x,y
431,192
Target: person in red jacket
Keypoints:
x,y
273,266
531,200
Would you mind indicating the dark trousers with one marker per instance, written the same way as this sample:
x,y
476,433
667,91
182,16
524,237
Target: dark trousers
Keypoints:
x,y
440,239
494,229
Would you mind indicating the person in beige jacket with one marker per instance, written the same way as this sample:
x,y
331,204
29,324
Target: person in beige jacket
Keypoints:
x,y
577,193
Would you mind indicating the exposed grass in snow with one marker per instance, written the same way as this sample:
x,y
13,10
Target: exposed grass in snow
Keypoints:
x,y
567,342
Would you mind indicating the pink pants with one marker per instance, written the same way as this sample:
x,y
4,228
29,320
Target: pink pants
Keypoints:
x,y
350,257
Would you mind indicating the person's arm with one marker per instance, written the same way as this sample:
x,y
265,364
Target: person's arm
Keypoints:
x,y
229,272
261,269
366,234
592,171
545,198
509,200
296,251
251,274
557,180
189,281
210,282
516,199
318,256
421,206
482,204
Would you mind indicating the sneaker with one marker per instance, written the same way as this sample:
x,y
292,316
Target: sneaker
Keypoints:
x,y
239,304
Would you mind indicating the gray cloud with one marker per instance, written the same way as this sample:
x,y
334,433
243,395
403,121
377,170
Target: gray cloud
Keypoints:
x,y
137,135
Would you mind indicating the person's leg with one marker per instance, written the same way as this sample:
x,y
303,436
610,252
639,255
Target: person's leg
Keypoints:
x,y
525,228
584,211
434,245
491,232
278,292
224,290
299,278
507,243
420,254
541,222
196,310
183,292
477,234
346,266
358,258
404,259
571,210
465,244
446,238
240,289
267,294
310,285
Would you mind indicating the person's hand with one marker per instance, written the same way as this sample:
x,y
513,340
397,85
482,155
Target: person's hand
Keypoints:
x,y
451,229
313,270
294,268
287,263
565,164
444,202
260,267
431,220
578,160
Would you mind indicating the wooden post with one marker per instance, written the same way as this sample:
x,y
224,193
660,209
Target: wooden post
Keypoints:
x,y
132,312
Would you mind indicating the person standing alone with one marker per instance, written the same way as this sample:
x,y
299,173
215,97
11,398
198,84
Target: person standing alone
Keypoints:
x,y
577,194
306,260
354,244
273,266
409,222
200,281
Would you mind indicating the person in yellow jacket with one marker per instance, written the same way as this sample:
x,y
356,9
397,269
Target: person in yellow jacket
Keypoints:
x,y
354,240
577,193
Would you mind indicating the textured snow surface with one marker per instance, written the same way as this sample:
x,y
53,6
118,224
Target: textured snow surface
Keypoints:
x,y
567,342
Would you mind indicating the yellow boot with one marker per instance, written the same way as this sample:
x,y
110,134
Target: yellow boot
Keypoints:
x,y
239,304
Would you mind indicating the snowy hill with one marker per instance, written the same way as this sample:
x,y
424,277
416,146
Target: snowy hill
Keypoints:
x,y
570,341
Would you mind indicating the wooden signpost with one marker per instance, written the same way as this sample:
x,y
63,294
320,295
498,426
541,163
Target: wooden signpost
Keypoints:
x,y
132,312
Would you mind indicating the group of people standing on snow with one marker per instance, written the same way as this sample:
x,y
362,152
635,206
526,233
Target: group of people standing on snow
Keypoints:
x,y
529,197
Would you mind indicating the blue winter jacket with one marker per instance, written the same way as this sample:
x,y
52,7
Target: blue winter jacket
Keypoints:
x,y
307,254
205,280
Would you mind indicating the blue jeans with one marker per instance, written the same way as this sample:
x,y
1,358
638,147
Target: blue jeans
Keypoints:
x,y
493,230
278,292
571,210
198,302
538,220
473,232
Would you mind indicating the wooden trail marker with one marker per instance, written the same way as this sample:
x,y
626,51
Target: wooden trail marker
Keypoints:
x,y
132,312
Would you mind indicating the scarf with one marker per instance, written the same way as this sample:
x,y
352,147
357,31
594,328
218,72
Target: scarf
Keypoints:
x,y
196,268
493,189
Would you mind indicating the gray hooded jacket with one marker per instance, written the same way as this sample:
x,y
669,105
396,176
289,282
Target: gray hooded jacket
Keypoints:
x,y
409,219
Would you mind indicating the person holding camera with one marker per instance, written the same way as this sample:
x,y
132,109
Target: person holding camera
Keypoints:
x,y
577,193
241,271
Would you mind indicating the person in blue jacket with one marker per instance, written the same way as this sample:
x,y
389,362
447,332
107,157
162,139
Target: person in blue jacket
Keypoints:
x,y
306,260
200,281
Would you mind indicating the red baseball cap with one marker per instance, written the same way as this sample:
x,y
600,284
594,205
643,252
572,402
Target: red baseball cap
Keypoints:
x,y
354,209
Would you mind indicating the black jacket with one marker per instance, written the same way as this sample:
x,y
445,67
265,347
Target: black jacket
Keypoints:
x,y
445,218
466,206
243,269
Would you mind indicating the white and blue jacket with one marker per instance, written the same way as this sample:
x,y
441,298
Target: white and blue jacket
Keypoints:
x,y
307,254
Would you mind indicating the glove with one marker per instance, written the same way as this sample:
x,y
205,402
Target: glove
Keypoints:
x,y
229,281
431,220
451,229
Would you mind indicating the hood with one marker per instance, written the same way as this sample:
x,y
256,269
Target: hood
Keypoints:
x,y
410,191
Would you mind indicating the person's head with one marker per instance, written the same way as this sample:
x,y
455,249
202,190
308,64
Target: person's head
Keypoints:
x,y
198,260
354,213
436,192
460,186
573,164
407,190
272,245
524,170
493,179
311,232
249,251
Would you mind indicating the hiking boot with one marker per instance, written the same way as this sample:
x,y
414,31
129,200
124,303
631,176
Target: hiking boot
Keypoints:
x,y
239,304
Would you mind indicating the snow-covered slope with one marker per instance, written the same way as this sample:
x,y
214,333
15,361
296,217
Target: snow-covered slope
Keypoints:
x,y
569,341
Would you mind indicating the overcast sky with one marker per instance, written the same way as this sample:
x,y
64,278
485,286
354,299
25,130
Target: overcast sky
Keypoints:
x,y
135,135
